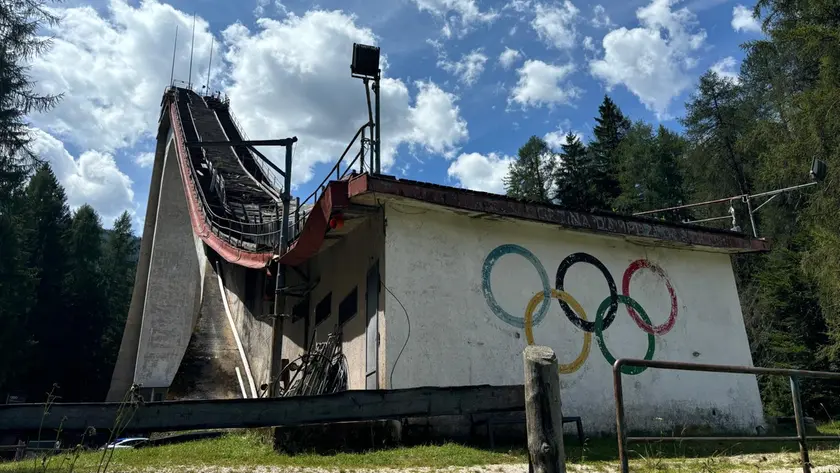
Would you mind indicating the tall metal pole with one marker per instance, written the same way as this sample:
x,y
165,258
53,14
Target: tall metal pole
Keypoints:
x,y
378,128
192,47
174,50
281,268
210,63
800,424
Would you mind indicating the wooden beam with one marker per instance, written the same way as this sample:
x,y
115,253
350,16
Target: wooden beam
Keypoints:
x,y
250,413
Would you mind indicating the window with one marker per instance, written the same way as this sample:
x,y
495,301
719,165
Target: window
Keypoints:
x,y
322,310
347,307
300,310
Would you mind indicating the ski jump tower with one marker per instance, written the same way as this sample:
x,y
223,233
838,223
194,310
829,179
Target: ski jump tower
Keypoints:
x,y
221,230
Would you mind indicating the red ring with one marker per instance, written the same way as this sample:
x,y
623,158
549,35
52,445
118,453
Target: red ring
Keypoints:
x,y
625,288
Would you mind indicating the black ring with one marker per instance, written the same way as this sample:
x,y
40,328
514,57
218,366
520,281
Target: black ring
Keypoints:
x,y
564,266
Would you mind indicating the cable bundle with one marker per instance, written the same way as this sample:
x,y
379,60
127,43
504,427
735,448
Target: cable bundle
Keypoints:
x,y
320,371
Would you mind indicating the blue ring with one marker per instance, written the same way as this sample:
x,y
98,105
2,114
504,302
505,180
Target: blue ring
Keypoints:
x,y
490,260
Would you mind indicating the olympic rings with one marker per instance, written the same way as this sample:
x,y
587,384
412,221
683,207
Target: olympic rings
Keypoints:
x,y
561,275
625,288
599,333
491,259
574,312
587,336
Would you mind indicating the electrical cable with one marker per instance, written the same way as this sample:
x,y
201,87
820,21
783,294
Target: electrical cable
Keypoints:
x,y
407,335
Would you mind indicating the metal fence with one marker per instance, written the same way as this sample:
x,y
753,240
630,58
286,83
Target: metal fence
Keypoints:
x,y
793,375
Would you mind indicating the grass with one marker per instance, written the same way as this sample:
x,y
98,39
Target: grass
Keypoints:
x,y
250,449
246,449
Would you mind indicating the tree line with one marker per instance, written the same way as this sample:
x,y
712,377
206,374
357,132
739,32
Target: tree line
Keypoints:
x,y
757,132
65,283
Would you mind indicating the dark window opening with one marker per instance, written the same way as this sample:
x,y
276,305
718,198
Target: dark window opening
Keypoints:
x,y
322,310
348,307
300,309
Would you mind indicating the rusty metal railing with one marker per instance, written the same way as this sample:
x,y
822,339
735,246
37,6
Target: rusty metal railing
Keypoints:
x,y
337,173
793,375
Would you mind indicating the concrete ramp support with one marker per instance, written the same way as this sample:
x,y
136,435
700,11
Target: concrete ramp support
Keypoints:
x,y
198,320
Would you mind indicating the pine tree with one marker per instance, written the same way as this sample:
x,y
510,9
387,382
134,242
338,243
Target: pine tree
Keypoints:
x,y
20,41
575,189
608,133
530,177
714,122
46,225
119,269
15,299
84,375
650,171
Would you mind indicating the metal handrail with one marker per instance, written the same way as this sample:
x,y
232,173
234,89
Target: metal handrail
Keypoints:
x,y
794,375
271,174
336,169
219,223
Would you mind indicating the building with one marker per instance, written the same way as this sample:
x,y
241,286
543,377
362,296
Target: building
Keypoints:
x,y
462,281
429,285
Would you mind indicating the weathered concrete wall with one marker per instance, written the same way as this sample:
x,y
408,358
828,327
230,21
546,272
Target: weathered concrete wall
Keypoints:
x,y
207,370
173,288
254,326
340,269
466,284
123,375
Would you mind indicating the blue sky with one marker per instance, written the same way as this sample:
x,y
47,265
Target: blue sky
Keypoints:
x,y
467,82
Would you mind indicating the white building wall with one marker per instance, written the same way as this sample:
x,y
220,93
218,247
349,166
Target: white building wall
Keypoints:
x,y
435,266
339,269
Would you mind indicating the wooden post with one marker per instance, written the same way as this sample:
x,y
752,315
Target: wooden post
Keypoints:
x,y
542,411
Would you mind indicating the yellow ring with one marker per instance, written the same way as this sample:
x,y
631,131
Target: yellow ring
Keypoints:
x,y
568,299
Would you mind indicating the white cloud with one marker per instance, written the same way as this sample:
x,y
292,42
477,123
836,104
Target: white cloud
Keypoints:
x,y
113,70
543,84
145,160
600,19
653,66
727,68
743,20
479,172
290,77
508,57
468,69
92,179
519,6
589,45
259,10
557,138
435,121
461,15
554,24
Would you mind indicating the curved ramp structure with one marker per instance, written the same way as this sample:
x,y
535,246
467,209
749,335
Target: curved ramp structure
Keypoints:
x,y
213,224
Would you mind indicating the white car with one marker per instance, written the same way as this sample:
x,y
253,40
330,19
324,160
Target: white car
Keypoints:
x,y
132,442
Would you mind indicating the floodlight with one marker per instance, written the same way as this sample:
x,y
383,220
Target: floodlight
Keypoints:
x,y
365,61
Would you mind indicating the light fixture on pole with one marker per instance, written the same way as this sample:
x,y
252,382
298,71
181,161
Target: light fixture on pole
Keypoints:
x,y
365,66
818,172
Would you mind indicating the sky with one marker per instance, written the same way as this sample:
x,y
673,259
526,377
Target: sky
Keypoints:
x,y
465,82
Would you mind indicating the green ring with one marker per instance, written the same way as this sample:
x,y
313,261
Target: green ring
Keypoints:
x,y
599,333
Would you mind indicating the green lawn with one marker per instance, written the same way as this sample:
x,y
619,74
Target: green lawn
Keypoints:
x,y
250,450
